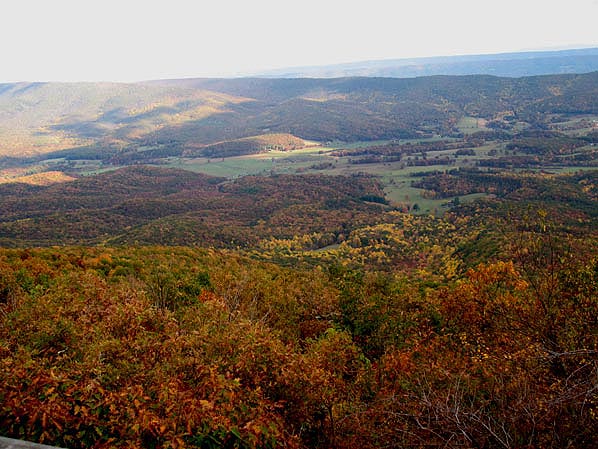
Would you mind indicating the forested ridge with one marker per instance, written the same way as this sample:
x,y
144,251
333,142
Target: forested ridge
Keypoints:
x,y
476,329
127,123
278,263
176,347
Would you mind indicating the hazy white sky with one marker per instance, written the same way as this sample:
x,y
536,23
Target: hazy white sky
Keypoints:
x,y
126,40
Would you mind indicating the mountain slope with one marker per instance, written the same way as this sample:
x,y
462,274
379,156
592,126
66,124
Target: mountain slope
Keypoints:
x,y
153,120
143,204
41,117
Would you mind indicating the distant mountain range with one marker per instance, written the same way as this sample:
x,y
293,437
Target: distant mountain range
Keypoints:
x,y
122,124
503,64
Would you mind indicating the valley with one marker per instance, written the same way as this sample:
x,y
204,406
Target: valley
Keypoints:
x,y
389,128
300,263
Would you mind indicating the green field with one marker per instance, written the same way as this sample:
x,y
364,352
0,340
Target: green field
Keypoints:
x,y
394,176
470,125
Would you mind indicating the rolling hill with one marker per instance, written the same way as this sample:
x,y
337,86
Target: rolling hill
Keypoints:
x,y
166,118
156,205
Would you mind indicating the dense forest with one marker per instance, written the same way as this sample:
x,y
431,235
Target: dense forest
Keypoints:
x,y
258,263
180,347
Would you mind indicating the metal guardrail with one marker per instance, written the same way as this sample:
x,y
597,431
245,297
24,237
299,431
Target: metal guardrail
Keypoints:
x,y
9,443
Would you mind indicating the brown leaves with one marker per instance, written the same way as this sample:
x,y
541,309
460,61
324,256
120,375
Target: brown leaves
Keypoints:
x,y
261,356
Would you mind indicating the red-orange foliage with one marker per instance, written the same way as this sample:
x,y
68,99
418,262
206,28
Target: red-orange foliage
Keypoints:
x,y
188,348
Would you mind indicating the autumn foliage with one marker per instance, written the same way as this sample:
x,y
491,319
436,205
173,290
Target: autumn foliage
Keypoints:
x,y
173,347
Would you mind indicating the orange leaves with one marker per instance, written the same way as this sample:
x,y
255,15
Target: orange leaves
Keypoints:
x,y
488,296
396,365
319,384
103,368
208,296
499,274
259,356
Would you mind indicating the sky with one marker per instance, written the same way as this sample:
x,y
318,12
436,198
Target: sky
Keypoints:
x,y
131,40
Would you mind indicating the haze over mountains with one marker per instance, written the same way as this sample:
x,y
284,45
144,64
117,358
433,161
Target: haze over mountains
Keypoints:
x,y
503,64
